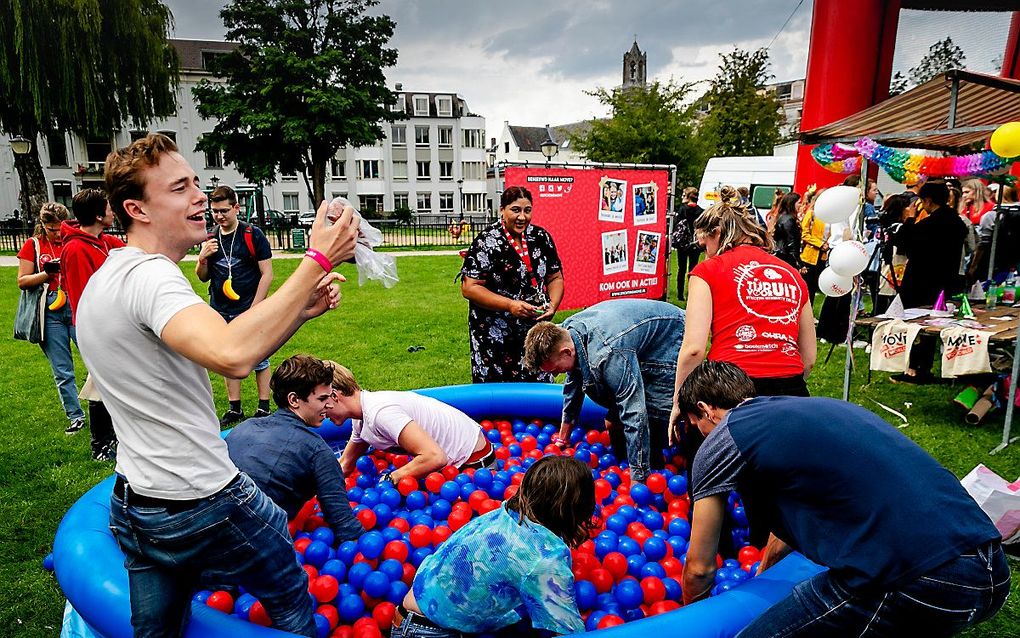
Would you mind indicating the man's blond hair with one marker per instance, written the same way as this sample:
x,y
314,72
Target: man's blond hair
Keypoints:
x,y
343,379
542,343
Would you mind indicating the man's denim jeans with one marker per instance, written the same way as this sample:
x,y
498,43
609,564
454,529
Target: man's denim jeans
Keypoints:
x,y
237,536
410,629
949,598
59,333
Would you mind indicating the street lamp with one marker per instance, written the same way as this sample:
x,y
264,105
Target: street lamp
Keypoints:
x,y
20,145
215,181
460,195
549,147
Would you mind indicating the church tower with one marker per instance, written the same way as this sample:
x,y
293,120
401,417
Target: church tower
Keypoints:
x,y
634,67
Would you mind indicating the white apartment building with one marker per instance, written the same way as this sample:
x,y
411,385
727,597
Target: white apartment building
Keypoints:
x,y
432,162
524,143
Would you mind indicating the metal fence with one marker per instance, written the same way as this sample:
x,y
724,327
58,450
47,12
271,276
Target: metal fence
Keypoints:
x,y
449,232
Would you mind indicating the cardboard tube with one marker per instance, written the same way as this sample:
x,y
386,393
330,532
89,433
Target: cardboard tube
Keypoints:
x,y
982,407
967,398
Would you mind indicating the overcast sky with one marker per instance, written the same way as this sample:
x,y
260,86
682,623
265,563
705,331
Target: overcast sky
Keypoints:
x,y
530,61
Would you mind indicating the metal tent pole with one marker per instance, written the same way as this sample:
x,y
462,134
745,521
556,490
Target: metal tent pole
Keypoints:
x,y
855,296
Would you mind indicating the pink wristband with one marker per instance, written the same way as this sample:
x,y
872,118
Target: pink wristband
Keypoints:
x,y
320,259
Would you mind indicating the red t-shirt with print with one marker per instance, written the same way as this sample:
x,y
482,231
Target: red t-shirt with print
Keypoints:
x,y
756,304
47,251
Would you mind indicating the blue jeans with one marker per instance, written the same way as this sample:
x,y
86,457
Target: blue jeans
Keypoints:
x,y
411,629
943,602
56,345
236,536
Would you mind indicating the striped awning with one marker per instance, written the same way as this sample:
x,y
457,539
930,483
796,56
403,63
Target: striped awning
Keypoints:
x,y
953,112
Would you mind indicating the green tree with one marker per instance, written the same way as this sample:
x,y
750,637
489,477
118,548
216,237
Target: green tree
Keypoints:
x,y
743,116
942,56
81,67
898,84
654,124
305,81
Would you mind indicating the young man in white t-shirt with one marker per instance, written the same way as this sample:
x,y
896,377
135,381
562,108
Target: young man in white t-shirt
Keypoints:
x,y
434,433
180,510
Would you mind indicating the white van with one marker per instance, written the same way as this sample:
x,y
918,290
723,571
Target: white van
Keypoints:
x,y
760,174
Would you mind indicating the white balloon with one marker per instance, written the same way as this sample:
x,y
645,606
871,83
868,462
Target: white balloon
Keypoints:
x,y
833,284
836,204
849,258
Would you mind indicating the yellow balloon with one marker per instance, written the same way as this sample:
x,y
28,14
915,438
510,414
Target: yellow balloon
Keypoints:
x,y
1005,140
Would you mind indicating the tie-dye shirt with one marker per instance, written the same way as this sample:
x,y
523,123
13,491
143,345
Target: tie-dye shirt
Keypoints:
x,y
495,571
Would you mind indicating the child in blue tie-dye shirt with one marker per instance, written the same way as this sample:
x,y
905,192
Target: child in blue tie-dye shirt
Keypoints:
x,y
511,563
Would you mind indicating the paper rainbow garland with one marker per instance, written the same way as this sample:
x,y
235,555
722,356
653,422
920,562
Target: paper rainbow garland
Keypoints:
x,y
903,166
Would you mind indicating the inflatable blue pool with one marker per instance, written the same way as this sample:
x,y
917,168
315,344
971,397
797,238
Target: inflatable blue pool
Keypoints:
x,y
89,565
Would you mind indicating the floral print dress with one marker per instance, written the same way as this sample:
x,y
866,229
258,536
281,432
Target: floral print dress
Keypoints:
x,y
497,337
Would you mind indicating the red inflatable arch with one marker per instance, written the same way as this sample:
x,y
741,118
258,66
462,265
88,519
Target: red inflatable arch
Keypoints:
x,y
850,63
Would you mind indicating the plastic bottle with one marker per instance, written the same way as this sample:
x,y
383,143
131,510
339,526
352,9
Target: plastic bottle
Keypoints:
x,y
1009,291
992,296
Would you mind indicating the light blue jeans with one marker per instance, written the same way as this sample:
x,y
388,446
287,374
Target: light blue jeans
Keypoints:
x,y
411,629
237,536
59,333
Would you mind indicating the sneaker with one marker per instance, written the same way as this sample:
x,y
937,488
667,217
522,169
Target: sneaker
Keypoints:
x,y
75,426
859,344
231,417
261,413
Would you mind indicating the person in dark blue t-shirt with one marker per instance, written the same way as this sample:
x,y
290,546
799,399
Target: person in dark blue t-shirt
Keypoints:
x,y
238,262
909,552
285,457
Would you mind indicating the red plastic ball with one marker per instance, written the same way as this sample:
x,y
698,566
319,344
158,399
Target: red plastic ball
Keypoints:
x,y
367,518
440,534
312,572
381,465
257,614
420,536
343,631
673,567
302,543
434,481
397,550
656,483
551,450
653,589
450,472
592,437
502,453
476,499
602,580
407,485
221,601
409,572
662,607
611,620
534,454
510,491
488,505
324,588
458,520
401,524
602,489
313,523
587,547
330,613
748,554
529,443
400,460
616,564
383,615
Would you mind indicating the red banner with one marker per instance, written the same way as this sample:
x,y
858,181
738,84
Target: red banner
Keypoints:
x,y
609,225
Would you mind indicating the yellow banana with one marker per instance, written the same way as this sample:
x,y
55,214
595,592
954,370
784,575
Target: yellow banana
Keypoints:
x,y
59,302
228,290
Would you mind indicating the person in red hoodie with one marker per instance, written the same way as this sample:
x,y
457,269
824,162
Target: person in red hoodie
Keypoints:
x,y
85,249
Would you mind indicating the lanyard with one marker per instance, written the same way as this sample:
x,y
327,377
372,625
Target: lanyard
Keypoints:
x,y
522,252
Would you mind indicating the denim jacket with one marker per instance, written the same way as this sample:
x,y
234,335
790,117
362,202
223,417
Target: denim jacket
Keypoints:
x,y
626,362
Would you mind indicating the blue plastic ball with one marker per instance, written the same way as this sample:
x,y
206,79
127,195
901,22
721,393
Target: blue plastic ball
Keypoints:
x,y
376,584
441,509
543,439
390,534
321,625
383,514
354,494
390,496
300,557
450,491
629,594
679,527
583,456
496,490
350,608
397,592
606,602
483,478
732,563
371,497
673,589
462,479
641,494
418,555
634,564
316,554
323,534
47,562
201,596
677,485
366,465
592,624
371,544
335,568
416,500
740,516
357,573
652,569
628,546
514,449
653,520
345,589
628,512
466,489
617,523
392,568
528,462
603,547
585,593
613,478
633,614
655,548
607,461
494,436
366,481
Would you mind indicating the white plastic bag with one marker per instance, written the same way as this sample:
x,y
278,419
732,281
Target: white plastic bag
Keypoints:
x,y
371,265
999,500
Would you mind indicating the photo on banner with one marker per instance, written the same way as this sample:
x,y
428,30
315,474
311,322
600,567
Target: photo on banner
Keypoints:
x,y
613,202
644,204
646,252
614,252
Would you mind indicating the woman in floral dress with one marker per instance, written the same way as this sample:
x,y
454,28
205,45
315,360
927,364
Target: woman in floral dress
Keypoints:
x,y
512,278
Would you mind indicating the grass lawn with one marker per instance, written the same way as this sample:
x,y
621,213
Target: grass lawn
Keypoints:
x,y
44,471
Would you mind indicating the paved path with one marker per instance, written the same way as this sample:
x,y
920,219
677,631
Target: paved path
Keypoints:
x,y
10,260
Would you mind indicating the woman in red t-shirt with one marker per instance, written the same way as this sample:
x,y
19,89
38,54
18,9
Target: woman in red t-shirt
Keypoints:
x,y
43,266
753,305
976,200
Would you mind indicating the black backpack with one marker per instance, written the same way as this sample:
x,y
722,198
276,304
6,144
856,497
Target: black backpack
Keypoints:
x,y
682,236
1007,244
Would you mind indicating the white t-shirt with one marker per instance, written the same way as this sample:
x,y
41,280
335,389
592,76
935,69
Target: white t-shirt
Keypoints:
x,y
387,413
161,403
